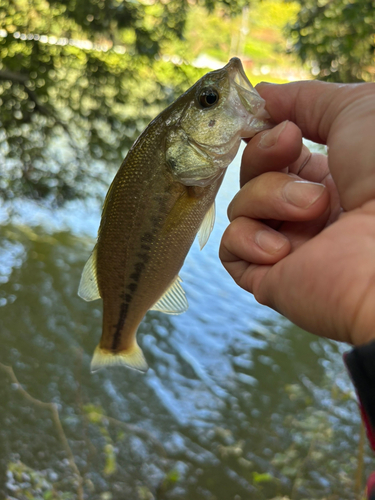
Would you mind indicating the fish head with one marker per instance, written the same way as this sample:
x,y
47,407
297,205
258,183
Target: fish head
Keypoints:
x,y
218,111
225,105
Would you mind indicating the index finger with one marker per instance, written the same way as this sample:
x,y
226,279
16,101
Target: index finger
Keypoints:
x,y
307,104
273,149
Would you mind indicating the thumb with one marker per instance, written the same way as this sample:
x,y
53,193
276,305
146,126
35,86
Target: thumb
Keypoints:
x,y
340,116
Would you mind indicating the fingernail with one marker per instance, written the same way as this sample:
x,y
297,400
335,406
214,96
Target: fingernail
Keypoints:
x,y
270,137
264,83
270,242
303,194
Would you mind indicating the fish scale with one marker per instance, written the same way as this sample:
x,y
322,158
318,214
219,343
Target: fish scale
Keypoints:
x,y
162,195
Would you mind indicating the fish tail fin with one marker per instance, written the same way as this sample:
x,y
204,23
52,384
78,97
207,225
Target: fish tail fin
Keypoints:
x,y
131,358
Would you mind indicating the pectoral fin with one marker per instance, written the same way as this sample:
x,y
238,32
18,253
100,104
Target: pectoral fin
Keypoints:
x,y
207,226
88,287
131,358
173,301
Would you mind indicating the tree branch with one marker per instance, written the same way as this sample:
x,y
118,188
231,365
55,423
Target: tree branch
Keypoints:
x,y
52,407
43,110
22,79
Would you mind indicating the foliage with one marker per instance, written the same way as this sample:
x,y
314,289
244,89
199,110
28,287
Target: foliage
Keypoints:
x,y
256,35
313,430
25,482
336,39
96,416
79,80
80,77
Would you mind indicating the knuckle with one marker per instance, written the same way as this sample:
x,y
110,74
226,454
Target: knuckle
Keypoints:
x,y
230,209
230,232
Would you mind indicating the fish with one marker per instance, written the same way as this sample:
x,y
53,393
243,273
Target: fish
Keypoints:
x,y
162,196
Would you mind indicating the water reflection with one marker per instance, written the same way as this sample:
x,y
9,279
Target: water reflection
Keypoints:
x,y
238,404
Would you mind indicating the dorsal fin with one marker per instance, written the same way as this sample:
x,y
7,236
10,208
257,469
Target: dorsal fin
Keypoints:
x,y
173,301
207,226
88,286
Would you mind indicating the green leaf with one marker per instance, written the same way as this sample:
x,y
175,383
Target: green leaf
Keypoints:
x,y
262,477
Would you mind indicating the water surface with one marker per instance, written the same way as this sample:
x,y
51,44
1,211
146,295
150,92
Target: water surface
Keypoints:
x,y
238,403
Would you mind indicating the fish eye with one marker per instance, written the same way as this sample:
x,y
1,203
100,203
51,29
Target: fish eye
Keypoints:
x,y
208,97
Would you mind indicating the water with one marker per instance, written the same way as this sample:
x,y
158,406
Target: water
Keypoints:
x,y
238,403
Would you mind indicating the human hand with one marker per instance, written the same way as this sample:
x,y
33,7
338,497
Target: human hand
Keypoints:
x,y
302,231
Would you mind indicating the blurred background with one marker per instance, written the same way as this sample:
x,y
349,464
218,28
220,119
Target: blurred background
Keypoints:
x,y
238,403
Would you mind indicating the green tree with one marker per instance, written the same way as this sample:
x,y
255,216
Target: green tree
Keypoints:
x,y
336,38
79,80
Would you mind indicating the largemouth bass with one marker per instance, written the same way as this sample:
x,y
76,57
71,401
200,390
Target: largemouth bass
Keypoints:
x,y
162,195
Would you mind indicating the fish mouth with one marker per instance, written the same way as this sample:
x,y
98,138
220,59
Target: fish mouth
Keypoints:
x,y
238,75
250,99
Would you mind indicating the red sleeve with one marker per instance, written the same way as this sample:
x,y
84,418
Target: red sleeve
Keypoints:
x,y
360,363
